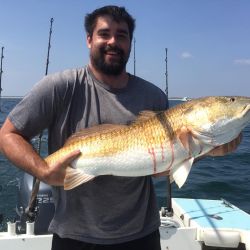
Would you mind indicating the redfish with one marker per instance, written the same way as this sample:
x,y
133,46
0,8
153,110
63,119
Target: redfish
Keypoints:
x,y
165,141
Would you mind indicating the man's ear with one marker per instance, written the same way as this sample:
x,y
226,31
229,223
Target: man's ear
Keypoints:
x,y
89,40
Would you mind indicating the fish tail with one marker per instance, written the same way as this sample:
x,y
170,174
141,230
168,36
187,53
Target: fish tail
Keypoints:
x,y
75,177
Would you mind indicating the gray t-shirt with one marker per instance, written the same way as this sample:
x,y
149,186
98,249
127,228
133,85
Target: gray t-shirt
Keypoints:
x,y
108,209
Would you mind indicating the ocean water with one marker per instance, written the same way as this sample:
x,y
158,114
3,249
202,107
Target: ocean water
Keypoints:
x,y
226,177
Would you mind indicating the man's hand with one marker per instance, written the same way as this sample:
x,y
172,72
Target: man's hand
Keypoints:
x,y
21,153
55,173
218,151
226,148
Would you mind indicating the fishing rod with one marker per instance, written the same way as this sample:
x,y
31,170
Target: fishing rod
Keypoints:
x,y
134,56
1,72
32,208
46,73
166,73
49,46
169,208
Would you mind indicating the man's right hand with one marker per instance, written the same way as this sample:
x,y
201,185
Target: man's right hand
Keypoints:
x,y
55,173
21,153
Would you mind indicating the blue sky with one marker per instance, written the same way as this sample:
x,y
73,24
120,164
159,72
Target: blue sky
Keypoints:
x,y
208,43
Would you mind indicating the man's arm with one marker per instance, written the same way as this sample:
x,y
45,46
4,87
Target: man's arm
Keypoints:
x,y
21,153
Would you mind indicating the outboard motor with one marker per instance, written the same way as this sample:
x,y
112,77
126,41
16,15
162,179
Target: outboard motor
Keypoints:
x,y
45,205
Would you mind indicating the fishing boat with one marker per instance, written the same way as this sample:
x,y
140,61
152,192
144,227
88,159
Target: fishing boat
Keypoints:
x,y
186,224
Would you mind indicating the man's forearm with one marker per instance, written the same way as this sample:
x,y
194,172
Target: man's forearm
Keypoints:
x,y
21,153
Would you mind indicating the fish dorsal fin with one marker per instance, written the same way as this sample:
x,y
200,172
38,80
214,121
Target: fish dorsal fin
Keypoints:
x,y
97,129
145,115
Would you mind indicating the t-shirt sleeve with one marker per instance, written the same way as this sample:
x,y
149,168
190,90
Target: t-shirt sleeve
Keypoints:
x,y
36,110
163,100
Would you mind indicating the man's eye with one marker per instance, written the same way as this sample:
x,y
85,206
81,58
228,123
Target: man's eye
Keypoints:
x,y
104,35
122,36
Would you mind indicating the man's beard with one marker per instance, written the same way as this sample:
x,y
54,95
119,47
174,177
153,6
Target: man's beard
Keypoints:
x,y
114,67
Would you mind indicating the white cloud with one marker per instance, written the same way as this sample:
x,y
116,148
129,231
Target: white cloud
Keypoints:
x,y
186,55
242,61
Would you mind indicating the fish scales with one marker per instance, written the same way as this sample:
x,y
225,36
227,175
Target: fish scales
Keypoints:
x,y
156,142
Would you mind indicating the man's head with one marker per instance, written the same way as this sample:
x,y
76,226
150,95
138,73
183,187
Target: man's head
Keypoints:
x,y
109,35
118,14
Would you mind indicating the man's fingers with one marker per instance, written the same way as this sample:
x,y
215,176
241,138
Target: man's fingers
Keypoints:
x,y
68,158
226,148
165,173
231,146
55,173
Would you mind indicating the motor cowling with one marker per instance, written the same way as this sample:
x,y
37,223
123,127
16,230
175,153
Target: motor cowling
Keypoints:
x,y
44,209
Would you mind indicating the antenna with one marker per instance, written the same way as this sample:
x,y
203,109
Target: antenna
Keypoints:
x,y
1,72
134,56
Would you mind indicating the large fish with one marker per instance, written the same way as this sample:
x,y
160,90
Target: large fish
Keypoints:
x,y
156,142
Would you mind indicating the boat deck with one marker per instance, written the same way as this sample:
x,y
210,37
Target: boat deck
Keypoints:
x,y
218,223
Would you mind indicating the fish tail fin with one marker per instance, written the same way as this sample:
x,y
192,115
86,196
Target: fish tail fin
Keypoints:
x,y
75,177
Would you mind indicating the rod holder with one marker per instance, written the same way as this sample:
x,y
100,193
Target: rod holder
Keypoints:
x,y
11,228
30,228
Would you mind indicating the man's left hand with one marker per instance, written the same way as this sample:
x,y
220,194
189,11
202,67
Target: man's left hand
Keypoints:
x,y
218,151
226,148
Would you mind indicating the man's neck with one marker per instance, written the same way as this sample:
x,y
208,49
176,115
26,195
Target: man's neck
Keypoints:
x,y
118,82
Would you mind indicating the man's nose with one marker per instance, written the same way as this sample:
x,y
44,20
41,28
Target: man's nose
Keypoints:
x,y
112,40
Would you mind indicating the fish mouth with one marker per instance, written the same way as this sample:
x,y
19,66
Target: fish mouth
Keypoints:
x,y
246,115
246,110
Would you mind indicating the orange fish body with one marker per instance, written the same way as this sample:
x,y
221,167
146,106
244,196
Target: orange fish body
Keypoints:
x,y
166,141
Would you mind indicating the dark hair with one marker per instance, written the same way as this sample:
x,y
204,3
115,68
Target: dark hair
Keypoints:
x,y
117,13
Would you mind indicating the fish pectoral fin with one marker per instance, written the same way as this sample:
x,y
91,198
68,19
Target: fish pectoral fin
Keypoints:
x,y
183,134
188,139
180,174
190,136
75,177
206,138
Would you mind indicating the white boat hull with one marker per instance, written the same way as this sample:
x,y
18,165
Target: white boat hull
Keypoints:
x,y
194,225
25,242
